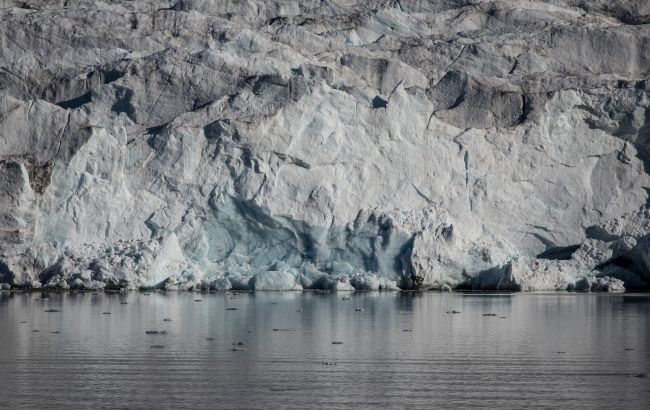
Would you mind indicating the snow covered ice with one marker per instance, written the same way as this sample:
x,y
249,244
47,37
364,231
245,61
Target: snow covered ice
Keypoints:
x,y
186,144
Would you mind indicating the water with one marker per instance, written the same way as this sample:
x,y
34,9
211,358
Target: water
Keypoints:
x,y
540,350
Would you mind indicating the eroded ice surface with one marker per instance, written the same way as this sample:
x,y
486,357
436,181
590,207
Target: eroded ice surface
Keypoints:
x,y
285,145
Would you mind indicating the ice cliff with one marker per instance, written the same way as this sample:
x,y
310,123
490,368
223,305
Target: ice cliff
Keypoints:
x,y
336,144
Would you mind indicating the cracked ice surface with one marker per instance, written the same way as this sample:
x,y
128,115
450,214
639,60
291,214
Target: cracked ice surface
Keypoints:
x,y
343,145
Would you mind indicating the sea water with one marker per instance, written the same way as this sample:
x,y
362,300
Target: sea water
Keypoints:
x,y
323,350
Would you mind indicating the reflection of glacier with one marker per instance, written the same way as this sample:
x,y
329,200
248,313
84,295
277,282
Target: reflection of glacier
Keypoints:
x,y
409,144
391,337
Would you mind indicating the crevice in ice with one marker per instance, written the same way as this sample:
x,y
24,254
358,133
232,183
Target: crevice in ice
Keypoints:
x,y
559,252
547,242
123,103
379,102
6,276
421,194
621,261
76,102
110,76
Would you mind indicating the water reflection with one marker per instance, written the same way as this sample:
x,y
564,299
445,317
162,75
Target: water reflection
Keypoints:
x,y
391,350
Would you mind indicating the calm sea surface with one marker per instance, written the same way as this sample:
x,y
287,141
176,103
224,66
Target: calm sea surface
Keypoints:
x,y
395,350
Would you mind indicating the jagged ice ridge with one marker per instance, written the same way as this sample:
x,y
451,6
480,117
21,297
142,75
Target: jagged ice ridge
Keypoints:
x,y
330,144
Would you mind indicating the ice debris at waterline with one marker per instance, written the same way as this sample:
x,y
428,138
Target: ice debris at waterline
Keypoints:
x,y
268,145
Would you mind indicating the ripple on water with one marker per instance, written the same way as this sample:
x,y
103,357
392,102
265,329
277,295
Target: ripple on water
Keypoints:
x,y
306,351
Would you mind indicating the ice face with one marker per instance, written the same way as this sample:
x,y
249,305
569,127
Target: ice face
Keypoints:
x,y
490,145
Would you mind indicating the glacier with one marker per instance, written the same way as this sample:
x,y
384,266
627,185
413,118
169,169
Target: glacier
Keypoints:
x,y
334,144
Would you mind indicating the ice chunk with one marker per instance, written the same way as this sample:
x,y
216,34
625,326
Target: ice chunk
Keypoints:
x,y
275,280
598,284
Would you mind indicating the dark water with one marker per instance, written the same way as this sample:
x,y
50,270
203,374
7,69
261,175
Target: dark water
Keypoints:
x,y
512,360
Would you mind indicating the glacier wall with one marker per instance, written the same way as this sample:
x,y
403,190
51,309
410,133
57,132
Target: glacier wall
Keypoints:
x,y
386,144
